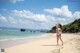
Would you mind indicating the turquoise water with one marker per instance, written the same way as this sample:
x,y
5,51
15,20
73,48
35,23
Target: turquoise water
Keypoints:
x,y
16,34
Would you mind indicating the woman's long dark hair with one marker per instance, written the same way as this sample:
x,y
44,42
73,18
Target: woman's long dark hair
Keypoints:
x,y
60,26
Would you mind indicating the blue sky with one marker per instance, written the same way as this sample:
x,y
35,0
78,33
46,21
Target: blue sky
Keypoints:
x,y
37,14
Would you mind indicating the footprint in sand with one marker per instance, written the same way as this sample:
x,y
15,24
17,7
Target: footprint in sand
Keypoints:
x,y
57,49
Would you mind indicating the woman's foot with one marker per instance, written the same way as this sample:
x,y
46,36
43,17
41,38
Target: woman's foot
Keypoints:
x,y
62,43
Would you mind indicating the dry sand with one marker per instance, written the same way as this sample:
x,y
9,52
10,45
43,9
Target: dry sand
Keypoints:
x,y
48,45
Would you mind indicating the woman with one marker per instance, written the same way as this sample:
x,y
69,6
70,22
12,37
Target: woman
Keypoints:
x,y
58,33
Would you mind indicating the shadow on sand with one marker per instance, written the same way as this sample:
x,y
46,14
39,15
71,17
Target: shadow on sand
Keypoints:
x,y
48,45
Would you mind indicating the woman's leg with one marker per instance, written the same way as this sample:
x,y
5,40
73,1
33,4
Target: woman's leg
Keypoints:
x,y
61,39
57,39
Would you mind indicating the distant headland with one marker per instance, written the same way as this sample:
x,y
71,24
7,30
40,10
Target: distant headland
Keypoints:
x,y
73,27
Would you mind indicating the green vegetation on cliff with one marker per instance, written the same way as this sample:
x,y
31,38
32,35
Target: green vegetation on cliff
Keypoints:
x,y
69,28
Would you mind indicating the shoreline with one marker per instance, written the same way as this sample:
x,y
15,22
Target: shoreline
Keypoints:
x,y
7,43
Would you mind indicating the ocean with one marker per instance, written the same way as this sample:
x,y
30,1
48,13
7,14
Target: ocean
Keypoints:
x,y
17,34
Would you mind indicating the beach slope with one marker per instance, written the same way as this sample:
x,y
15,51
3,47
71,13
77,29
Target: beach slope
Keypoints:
x,y
48,45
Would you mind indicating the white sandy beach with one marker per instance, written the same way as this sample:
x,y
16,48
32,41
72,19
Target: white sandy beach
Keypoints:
x,y
48,45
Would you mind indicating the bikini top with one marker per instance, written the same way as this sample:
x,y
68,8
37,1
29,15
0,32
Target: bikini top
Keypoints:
x,y
58,29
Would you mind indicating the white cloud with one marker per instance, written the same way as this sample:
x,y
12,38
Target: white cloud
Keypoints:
x,y
29,15
76,15
12,20
12,1
28,19
60,12
61,19
63,15
50,18
3,19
